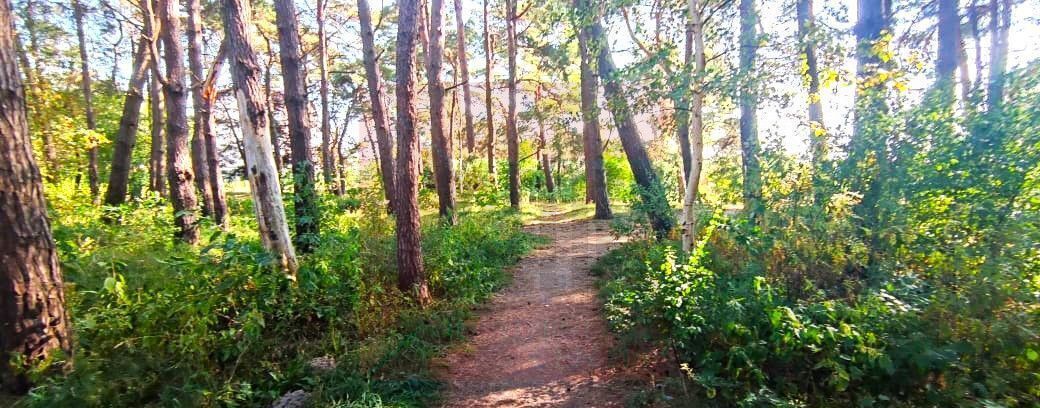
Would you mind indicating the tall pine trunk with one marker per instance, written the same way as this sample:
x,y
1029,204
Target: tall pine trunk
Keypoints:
x,y
999,26
78,11
411,277
443,170
263,176
327,160
294,78
216,179
33,322
512,136
157,155
375,97
126,136
748,101
178,156
198,139
543,144
592,143
460,36
651,190
694,71
489,61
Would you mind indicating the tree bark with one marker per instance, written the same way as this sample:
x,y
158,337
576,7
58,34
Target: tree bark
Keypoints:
x,y
695,66
543,152
512,136
216,179
156,162
443,170
806,35
88,103
411,277
33,320
375,97
126,137
294,77
272,108
650,189
949,42
178,156
489,61
199,162
595,175
460,28
999,26
323,88
263,177
748,101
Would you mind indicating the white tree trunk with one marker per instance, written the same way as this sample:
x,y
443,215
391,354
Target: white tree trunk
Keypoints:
x,y
689,217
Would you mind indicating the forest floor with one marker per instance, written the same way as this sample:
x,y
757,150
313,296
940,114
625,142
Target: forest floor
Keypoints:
x,y
543,341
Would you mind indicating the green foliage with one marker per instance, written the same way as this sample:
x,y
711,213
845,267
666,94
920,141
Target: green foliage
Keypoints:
x,y
158,323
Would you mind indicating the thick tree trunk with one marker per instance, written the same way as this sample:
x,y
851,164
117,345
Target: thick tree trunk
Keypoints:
x,y
157,157
949,43
263,177
489,61
512,136
216,179
443,170
650,188
294,77
323,90
460,29
33,321
375,97
748,101
411,277
198,140
595,175
126,137
695,66
88,103
178,156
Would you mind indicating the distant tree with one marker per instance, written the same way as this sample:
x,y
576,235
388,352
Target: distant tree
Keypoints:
x,y
460,38
201,128
748,101
512,135
327,159
375,97
33,322
411,277
489,60
78,11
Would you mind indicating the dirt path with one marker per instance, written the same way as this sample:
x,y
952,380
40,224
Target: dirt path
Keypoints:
x,y
542,342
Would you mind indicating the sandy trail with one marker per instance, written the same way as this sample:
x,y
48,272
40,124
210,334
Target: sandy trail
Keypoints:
x,y
542,342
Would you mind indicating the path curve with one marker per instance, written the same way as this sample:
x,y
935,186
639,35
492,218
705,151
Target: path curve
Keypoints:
x,y
542,342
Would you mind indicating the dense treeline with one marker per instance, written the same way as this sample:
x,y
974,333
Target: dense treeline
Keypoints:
x,y
831,203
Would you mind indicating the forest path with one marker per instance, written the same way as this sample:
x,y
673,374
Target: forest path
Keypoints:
x,y
542,342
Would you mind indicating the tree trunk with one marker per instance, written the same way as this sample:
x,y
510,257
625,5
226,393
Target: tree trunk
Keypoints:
x,y
512,136
543,144
88,102
294,77
489,60
375,97
216,179
323,89
263,177
748,100
157,160
695,66
126,137
411,278
806,35
999,26
650,188
460,28
272,120
33,320
949,43
178,156
443,170
199,162
595,175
